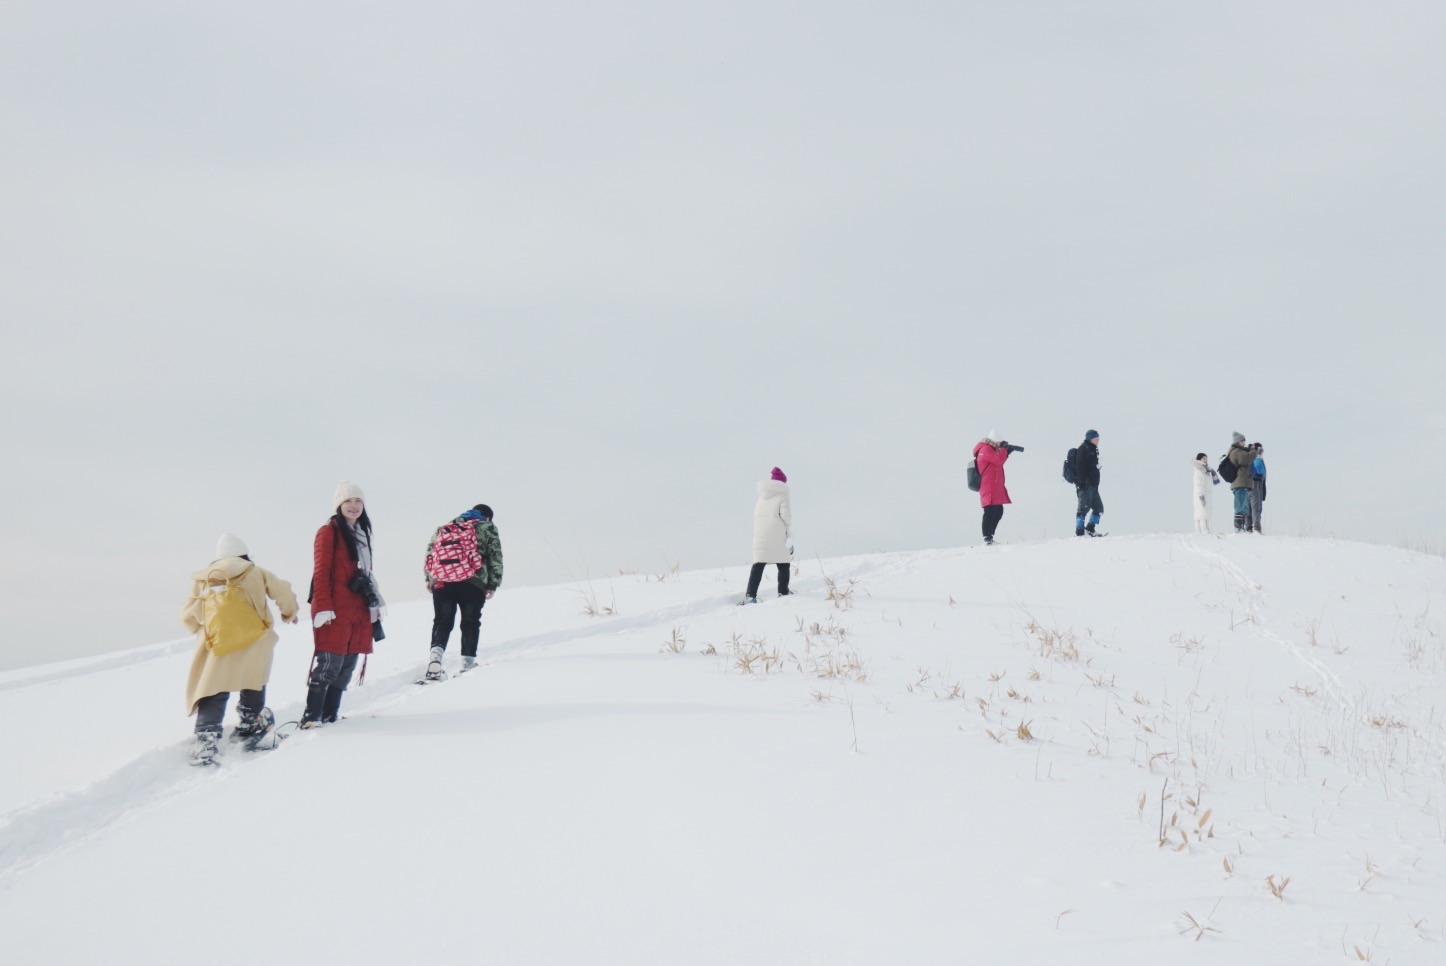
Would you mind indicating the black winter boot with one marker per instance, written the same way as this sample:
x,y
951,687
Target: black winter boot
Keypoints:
x,y
331,705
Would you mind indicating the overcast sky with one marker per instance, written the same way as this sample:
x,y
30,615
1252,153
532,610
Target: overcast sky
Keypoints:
x,y
602,265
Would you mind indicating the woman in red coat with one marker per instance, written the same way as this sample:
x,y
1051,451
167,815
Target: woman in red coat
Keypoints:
x,y
344,603
989,457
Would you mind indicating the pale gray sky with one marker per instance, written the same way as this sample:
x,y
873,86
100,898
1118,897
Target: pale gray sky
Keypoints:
x,y
602,265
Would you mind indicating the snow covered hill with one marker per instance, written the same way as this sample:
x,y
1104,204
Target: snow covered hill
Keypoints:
x,y
1206,749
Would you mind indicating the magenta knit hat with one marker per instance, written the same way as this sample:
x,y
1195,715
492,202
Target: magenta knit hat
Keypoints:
x,y
778,475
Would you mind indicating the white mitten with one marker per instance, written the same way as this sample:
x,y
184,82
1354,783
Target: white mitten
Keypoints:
x,y
324,618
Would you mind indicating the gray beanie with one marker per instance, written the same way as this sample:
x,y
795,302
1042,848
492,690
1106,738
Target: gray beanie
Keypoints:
x,y
1237,437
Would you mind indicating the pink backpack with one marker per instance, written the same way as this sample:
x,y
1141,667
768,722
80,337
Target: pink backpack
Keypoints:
x,y
454,556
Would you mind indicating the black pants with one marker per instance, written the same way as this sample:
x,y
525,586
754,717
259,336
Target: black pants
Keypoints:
x,y
755,577
446,601
992,515
211,711
330,674
1088,502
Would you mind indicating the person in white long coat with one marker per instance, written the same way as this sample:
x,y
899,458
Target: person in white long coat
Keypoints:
x,y
772,534
1205,480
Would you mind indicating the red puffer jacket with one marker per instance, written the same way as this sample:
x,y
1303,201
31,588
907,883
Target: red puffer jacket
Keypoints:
x,y
332,569
990,463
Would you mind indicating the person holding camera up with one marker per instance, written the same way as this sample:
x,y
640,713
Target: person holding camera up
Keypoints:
x,y
344,603
1087,486
989,458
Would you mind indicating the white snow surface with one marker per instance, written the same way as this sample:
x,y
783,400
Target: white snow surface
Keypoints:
x,y
967,756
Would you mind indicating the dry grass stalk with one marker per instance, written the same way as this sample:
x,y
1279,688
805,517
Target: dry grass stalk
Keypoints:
x,y
592,607
1277,889
676,642
840,595
1193,925
1023,733
1054,645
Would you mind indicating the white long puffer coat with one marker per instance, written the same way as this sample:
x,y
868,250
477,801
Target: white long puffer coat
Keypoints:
x,y
772,520
1204,497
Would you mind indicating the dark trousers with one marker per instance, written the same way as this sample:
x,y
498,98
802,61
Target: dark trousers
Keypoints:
x,y
330,674
1257,504
211,711
755,577
992,515
447,600
1089,502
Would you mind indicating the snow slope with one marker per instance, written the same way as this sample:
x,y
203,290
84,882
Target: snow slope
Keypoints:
x,y
965,756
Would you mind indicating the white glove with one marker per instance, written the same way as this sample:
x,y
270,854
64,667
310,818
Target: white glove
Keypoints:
x,y
381,612
324,618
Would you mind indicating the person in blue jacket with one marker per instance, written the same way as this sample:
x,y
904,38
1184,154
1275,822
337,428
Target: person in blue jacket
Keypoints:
x,y
1257,486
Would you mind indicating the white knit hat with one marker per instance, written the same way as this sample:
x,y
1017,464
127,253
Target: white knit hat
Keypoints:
x,y
230,545
993,436
346,490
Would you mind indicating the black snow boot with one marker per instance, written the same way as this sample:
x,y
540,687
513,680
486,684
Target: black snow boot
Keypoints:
x,y
331,705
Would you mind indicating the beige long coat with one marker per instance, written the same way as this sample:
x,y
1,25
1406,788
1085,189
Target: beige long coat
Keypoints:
x,y
249,668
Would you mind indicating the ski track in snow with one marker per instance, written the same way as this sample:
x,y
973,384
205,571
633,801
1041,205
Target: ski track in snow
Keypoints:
x,y
31,834
25,678
1253,594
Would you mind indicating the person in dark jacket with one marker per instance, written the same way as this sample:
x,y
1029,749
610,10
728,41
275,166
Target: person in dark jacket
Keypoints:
x,y
345,602
467,595
1087,486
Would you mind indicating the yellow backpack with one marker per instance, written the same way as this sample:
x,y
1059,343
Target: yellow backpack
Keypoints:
x,y
227,615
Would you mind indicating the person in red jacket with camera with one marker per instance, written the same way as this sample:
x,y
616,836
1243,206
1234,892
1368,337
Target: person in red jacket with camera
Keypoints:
x,y
989,457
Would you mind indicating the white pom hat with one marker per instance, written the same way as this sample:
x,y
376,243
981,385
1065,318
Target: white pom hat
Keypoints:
x,y
346,490
230,545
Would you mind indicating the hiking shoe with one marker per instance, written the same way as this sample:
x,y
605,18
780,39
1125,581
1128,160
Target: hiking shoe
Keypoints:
x,y
251,723
1079,531
205,748
468,663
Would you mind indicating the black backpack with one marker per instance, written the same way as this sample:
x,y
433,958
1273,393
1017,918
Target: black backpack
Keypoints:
x,y
973,476
1068,472
1227,470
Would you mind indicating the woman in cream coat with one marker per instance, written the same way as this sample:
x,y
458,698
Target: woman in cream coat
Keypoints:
x,y
772,539
247,670
1205,479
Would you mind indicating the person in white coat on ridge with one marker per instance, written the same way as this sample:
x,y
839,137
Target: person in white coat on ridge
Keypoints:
x,y
1205,480
772,536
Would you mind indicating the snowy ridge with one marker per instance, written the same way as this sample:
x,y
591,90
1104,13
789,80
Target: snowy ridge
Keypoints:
x,y
1083,751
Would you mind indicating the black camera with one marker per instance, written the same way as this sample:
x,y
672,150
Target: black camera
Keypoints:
x,y
1011,448
361,585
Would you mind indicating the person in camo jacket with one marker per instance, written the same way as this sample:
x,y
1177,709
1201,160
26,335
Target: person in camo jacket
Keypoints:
x,y
1241,456
468,596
